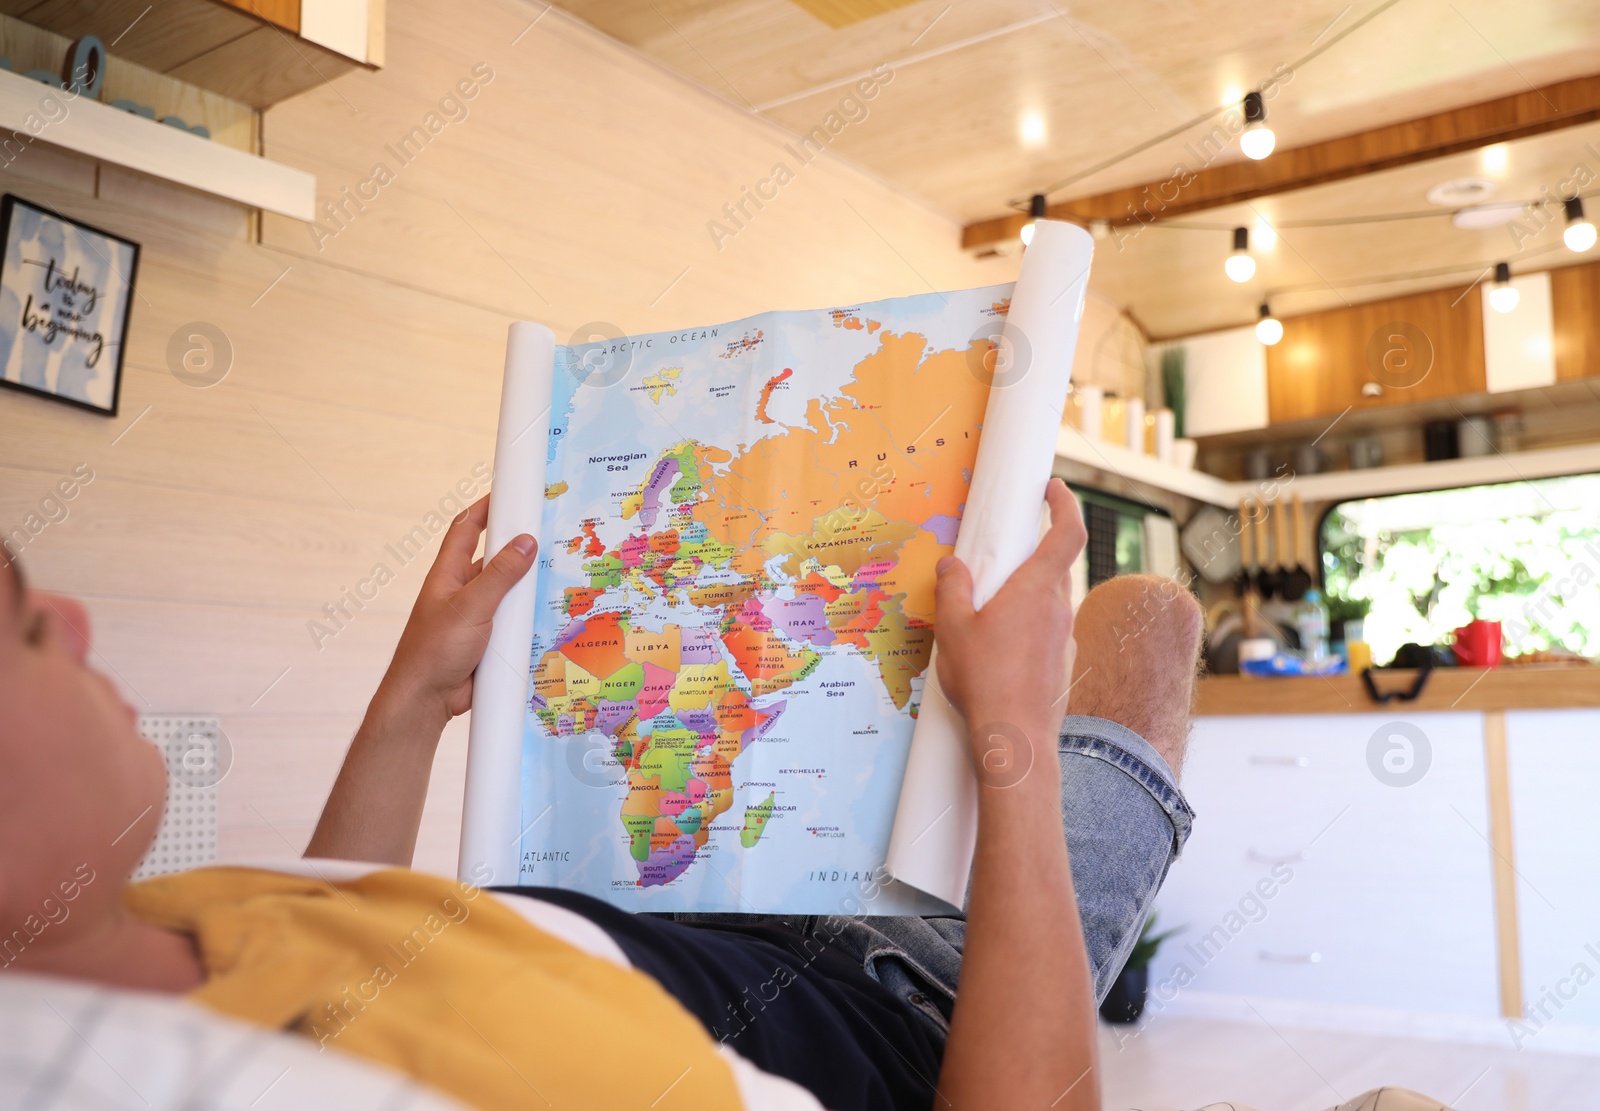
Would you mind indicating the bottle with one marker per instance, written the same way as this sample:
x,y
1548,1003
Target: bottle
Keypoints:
x,y
1311,622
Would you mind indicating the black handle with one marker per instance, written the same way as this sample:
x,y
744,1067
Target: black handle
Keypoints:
x,y
1401,696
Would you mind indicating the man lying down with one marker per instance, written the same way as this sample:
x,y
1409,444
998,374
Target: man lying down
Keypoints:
x,y
523,998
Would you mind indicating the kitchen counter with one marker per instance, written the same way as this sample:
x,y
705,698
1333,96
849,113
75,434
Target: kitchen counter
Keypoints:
x,y
1522,687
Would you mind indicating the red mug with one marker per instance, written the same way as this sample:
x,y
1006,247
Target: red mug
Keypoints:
x,y
1479,644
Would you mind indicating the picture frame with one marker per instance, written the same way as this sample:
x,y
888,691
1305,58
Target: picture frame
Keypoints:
x,y
65,300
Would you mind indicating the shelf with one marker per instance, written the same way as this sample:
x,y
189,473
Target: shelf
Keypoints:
x,y
259,52
1073,446
1333,486
112,135
1480,471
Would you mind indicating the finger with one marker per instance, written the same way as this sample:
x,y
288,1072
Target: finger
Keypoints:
x,y
1064,540
461,540
477,600
952,595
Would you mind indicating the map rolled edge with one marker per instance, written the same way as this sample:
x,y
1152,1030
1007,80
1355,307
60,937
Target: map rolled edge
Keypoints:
x,y
936,820
492,809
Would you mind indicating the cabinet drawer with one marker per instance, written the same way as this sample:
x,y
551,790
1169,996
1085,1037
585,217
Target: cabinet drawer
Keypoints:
x,y
1554,758
1309,877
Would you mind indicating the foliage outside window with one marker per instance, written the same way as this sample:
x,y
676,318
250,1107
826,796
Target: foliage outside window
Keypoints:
x,y
1526,554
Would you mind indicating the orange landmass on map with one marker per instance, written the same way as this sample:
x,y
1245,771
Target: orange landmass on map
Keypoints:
x,y
766,394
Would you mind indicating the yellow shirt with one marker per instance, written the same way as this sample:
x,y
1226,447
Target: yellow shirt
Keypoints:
x,y
440,982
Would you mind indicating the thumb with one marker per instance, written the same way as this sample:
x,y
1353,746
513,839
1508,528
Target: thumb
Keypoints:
x,y
477,600
952,594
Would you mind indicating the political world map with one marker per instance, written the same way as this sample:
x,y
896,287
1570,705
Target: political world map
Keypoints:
x,y
735,600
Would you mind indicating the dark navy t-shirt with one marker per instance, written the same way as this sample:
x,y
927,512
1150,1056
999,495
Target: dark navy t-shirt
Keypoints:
x,y
795,1007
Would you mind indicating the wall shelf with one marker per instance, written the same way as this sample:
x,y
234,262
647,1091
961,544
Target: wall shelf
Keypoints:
x,y
259,52
112,135
1332,486
1074,447
1479,471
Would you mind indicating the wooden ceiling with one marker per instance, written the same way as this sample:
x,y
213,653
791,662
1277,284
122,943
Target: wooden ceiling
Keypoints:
x,y
1099,78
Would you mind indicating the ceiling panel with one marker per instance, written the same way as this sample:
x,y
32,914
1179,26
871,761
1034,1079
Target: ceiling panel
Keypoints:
x,y
952,83
1101,75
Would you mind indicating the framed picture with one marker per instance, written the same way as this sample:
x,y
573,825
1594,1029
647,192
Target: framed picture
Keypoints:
x,y
65,290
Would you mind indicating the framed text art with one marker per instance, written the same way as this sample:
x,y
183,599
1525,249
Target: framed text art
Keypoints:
x,y
65,289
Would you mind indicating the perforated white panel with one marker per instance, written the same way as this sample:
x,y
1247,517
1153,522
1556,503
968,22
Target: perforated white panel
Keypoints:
x,y
198,756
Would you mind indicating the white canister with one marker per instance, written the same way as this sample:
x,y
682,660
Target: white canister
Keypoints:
x,y
1090,399
1252,649
1135,418
1166,432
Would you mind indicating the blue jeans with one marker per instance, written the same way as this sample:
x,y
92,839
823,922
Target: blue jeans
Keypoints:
x,y
1125,821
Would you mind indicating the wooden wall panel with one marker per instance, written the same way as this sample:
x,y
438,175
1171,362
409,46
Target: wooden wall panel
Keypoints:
x,y
366,375
1575,307
1325,359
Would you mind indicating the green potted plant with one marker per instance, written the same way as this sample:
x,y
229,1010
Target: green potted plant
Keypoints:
x,y
1124,1003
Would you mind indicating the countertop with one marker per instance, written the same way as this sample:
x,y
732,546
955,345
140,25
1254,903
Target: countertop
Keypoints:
x,y
1520,687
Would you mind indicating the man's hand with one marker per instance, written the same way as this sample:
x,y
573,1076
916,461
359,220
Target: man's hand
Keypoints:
x,y
375,807
1023,1032
1009,663
448,630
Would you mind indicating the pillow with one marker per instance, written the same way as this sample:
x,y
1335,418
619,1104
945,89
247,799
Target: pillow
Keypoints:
x,y
70,1046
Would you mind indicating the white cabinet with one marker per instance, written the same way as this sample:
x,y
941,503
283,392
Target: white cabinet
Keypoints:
x,y
1308,877
1225,382
1554,758
1518,346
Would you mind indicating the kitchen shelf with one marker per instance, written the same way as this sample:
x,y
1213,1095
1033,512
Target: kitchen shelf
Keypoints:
x,y
1333,486
124,139
1480,471
1073,446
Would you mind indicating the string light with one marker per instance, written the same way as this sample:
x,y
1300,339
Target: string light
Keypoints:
x,y
1033,130
1257,140
1269,329
1241,267
1579,235
1503,296
1037,209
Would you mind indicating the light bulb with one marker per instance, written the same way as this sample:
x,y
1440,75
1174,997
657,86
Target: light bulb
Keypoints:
x,y
1269,329
1038,209
1240,266
1257,141
1579,235
1033,130
1503,296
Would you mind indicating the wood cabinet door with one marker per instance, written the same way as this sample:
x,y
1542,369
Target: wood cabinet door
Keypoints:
x,y
1575,316
1422,347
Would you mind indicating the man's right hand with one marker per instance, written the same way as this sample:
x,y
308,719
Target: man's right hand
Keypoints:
x,y
1009,663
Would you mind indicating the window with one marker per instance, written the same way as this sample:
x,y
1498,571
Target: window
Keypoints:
x,y
1526,554
1116,529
